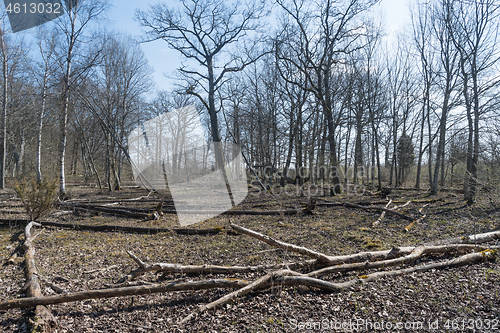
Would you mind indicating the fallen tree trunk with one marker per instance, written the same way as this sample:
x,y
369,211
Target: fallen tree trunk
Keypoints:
x,y
372,256
417,253
382,215
149,213
382,209
324,259
202,269
471,239
287,277
43,315
232,283
115,228
455,262
326,203
283,276
11,212
125,291
107,210
139,199
260,283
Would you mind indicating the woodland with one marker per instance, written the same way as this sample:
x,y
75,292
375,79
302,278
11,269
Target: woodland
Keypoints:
x,y
372,162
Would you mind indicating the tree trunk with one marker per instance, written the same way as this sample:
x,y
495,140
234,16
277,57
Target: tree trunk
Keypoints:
x,y
40,127
3,147
214,124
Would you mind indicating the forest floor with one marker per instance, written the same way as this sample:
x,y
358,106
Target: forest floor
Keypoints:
x,y
457,299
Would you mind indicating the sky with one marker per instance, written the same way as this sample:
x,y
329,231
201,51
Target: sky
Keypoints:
x,y
163,60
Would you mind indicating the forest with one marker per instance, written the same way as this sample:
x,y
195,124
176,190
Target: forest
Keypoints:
x,y
381,149
319,88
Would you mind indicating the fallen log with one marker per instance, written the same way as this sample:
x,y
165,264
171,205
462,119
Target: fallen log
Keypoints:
x,y
382,215
417,253
125,291
260,283
11,212
378,202
322,258
107,210
471,239
201,269
120,228
139,199
149,213
43,315
232,283
382,209
455,262
287,277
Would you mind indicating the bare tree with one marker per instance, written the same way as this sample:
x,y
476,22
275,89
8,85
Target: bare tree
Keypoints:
x,y
317,36
10,51
43,73
79,15
448,77
474,29
205,32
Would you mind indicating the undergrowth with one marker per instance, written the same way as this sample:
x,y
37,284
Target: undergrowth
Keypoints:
x,y
37,197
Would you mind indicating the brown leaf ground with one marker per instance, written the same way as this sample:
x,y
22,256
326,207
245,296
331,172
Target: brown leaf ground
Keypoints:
x,y
458,299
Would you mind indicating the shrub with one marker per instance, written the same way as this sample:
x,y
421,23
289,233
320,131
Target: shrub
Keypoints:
x,y
37,197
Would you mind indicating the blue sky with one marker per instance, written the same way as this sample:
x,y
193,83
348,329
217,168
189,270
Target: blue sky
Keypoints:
x,y
162,59
165,61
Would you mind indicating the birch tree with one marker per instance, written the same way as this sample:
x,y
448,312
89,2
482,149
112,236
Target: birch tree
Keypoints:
x,y
74,25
